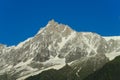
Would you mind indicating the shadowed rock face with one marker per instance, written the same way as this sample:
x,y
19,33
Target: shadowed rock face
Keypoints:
x,y
110,71
55,44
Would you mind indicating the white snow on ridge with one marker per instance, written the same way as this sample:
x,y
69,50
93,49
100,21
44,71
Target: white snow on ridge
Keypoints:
x,y
41,30
112,37
22,43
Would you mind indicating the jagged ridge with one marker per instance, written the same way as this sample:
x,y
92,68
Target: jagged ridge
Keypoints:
x,y
52,47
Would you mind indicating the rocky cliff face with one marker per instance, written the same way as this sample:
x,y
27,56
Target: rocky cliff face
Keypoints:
x,y
54,46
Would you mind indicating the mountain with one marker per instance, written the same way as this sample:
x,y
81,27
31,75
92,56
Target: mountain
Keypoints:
x,y
53,47
110,71
76,71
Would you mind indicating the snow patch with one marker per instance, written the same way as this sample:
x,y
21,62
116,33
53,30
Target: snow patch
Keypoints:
x,y
64,29
55,61
38,72
49,47
112,55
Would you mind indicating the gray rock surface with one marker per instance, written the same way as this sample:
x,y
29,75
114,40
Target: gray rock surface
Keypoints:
x,y
55,44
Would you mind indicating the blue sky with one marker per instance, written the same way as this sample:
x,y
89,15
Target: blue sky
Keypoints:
x,y
20,19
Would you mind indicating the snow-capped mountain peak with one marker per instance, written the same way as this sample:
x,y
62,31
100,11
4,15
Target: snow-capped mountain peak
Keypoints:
x,y
54,45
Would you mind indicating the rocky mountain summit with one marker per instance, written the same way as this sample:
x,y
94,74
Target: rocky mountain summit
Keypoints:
x,y
54,46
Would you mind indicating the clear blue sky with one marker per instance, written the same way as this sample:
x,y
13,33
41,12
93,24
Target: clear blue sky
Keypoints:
x,y
20,19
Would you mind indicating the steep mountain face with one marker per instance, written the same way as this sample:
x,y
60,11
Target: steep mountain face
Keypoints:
x,y
110,71
78,70
54,46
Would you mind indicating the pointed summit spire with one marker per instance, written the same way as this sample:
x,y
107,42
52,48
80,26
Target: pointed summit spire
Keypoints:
x,y
54,26
52,21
